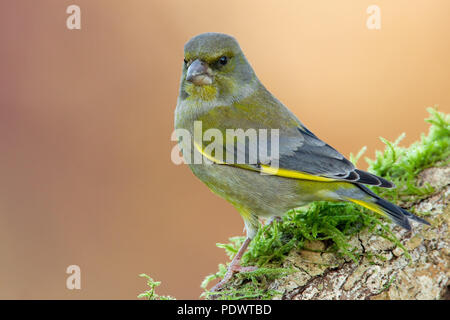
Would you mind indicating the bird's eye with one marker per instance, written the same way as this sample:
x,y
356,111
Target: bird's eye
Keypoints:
x,y
223,60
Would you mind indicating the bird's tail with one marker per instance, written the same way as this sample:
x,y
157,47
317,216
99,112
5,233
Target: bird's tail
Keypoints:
x,y
398,215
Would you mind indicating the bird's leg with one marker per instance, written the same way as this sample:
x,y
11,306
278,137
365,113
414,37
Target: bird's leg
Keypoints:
x,y
235,266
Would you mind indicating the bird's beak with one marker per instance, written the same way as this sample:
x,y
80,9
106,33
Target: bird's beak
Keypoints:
x,y
199,73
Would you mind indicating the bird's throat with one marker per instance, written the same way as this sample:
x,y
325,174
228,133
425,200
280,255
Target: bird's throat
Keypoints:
x,y
202,92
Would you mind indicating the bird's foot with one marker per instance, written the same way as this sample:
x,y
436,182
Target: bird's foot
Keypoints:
x,y
235,266
239,268
232,269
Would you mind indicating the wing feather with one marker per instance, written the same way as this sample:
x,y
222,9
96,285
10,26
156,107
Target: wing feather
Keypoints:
x,y
299,154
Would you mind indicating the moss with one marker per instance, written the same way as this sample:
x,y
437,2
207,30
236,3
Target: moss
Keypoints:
x,y
150,294
336,223
389,283
402,165
252,285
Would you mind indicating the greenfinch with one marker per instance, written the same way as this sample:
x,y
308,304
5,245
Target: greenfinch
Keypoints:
x,y
220,93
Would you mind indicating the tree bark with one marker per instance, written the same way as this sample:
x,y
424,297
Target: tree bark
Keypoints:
x,y
385,273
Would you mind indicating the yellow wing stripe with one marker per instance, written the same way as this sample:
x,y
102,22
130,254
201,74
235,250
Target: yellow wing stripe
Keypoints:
x,y
368,205
269,170
293,174
207,156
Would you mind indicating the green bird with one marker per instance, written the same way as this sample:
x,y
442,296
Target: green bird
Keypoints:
x,y
221,94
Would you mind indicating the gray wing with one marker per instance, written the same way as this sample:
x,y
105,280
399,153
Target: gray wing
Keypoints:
x,y
315,157
301,151
298,150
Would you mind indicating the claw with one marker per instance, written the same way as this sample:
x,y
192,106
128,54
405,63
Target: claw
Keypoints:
x,y
235,267
232,269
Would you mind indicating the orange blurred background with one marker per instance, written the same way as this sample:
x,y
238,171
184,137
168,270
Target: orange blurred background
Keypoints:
x,y
86,117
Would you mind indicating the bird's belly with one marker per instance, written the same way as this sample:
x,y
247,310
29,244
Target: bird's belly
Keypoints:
x,y
262,195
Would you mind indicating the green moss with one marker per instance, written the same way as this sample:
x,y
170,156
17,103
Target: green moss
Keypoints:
x,y
151,293
252,285
389,283
336,223
402,165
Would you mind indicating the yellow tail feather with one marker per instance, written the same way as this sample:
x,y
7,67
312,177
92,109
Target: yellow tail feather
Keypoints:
x,y
368,205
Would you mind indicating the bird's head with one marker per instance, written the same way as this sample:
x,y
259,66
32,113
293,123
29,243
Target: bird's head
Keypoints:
x,y
214,67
